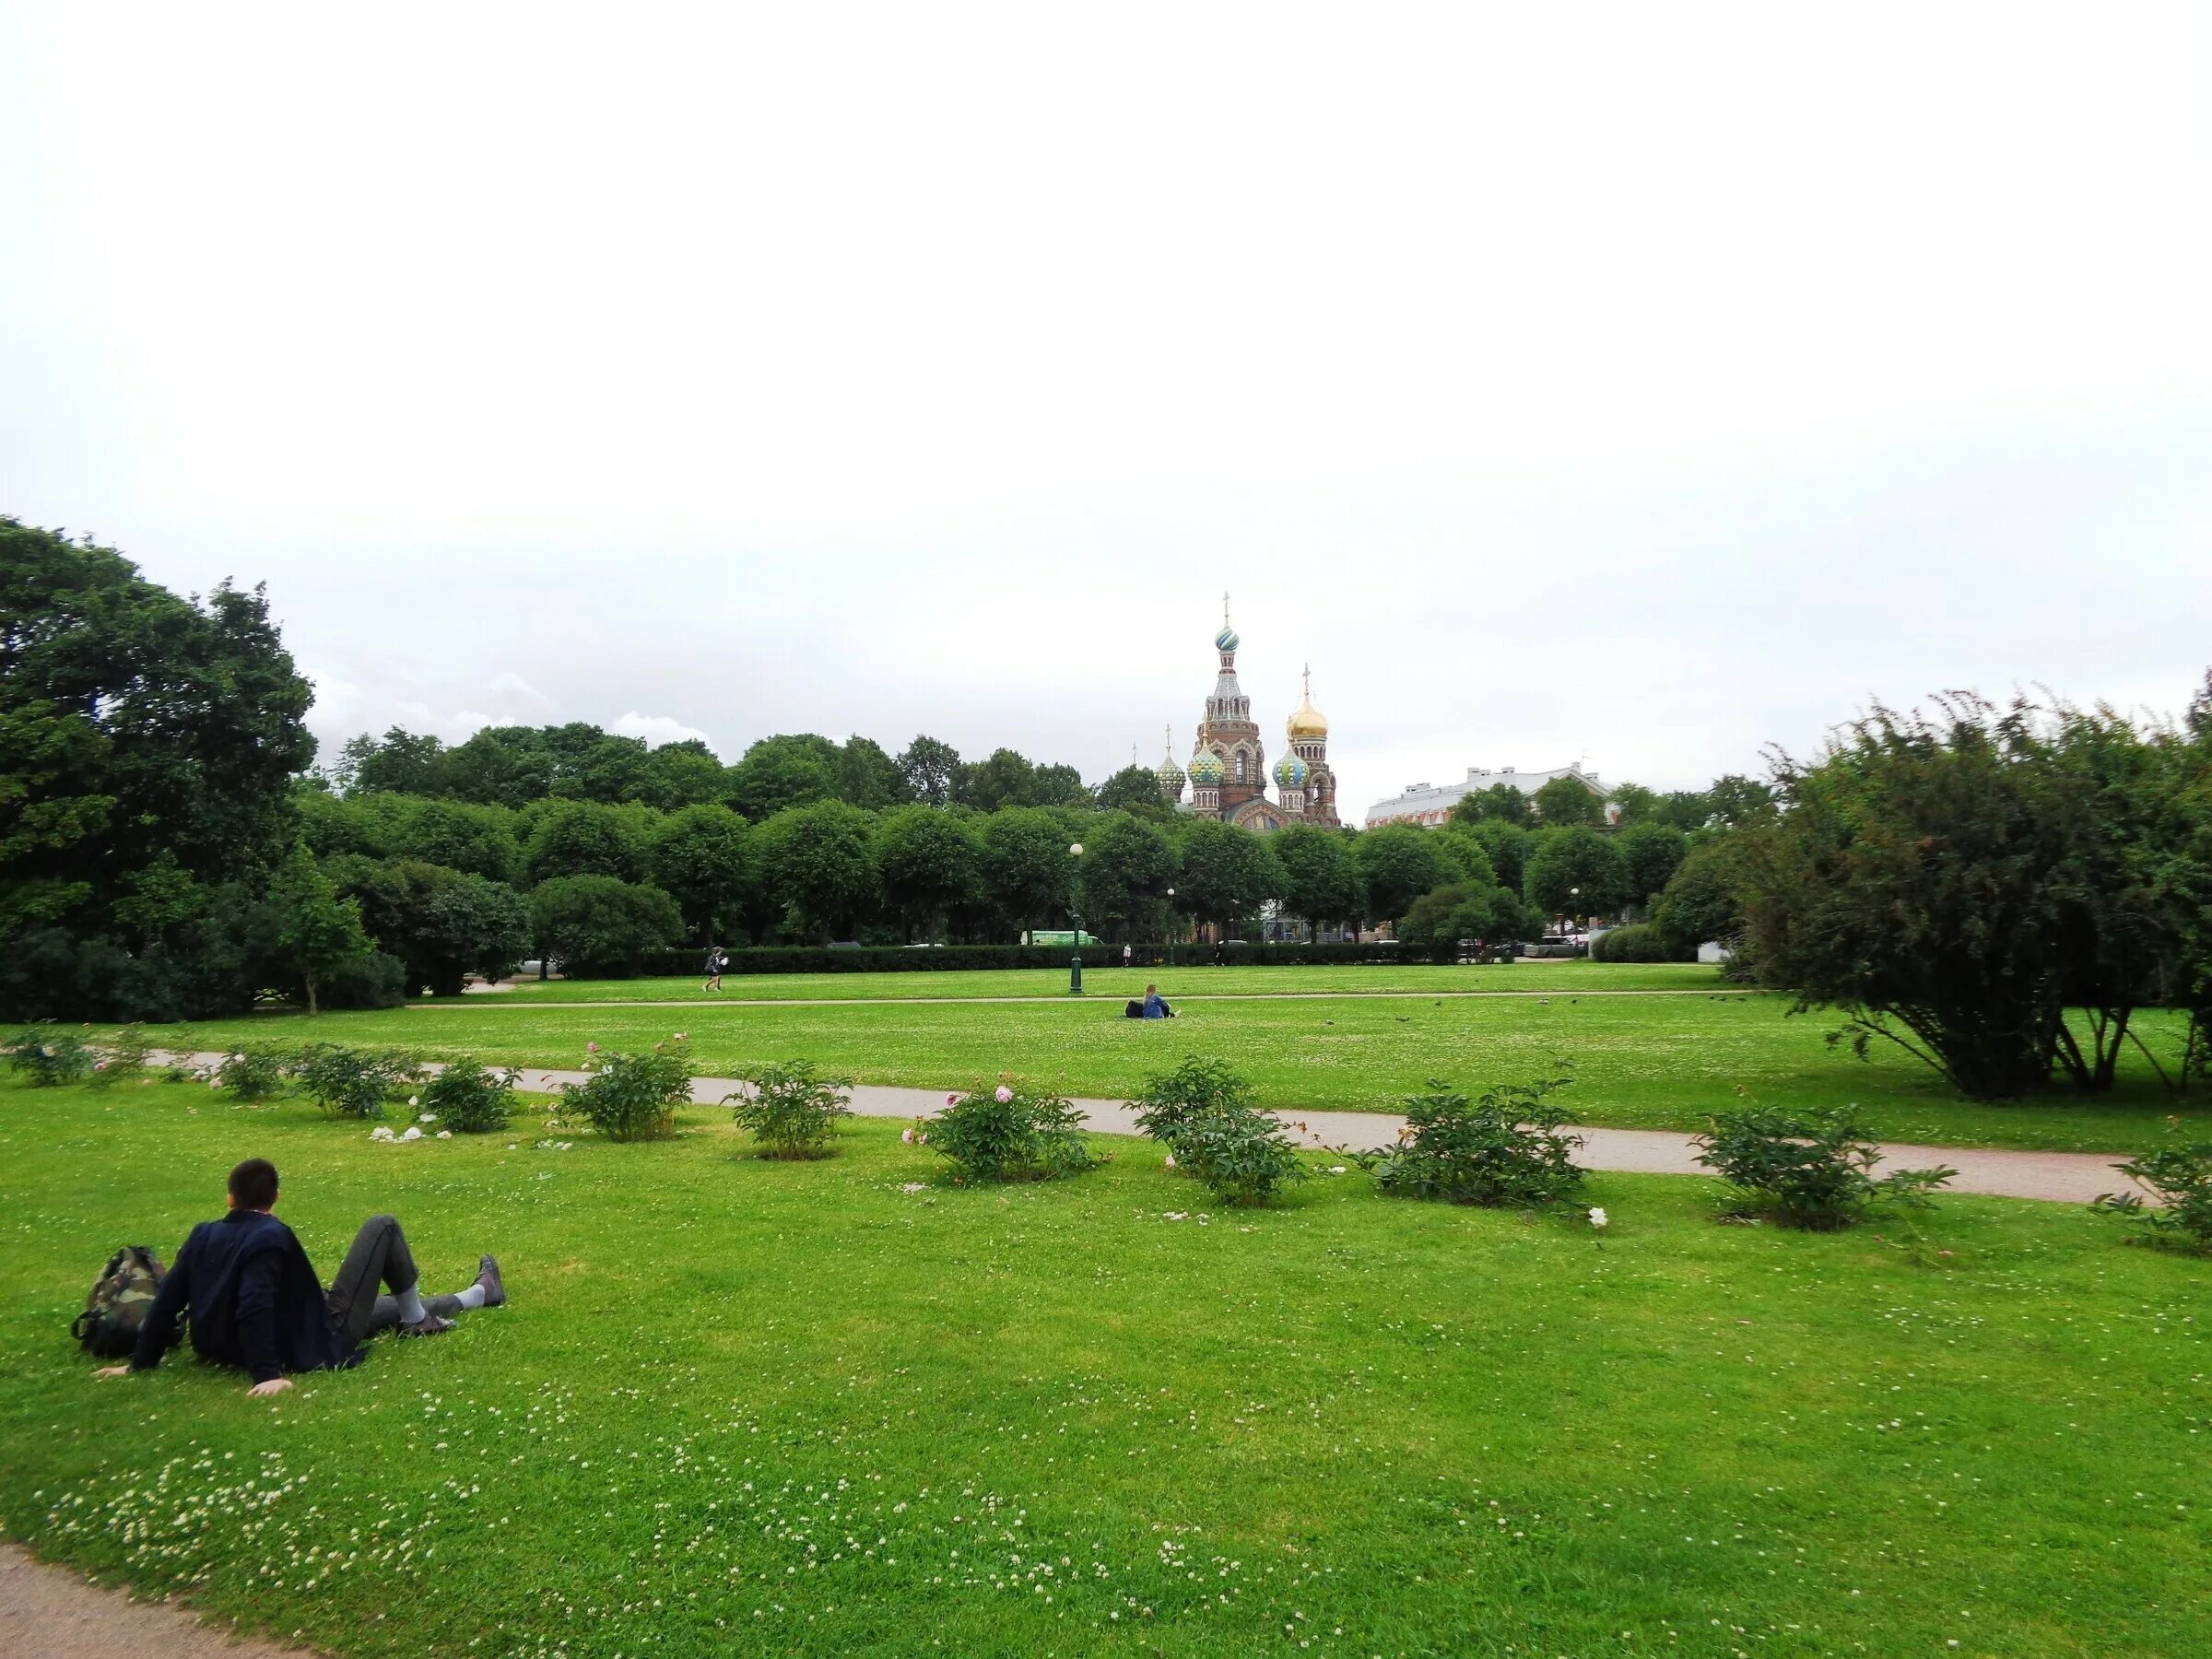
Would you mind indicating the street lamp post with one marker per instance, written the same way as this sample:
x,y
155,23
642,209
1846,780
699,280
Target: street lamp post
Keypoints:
x,y
1074,963
1574,896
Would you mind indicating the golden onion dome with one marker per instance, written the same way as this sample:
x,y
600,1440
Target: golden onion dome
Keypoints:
x,y
1306,721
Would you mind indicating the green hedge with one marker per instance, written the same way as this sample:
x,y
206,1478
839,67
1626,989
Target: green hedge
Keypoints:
x,y
1639,942
891,959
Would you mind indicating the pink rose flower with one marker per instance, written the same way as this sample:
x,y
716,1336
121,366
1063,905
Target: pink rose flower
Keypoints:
x,y
1003,1095
591,1048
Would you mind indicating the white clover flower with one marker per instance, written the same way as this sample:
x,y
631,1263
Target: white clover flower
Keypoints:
x,y
1597,1217
1335,1168
913,1186
382,1132
1168,1162
413,1134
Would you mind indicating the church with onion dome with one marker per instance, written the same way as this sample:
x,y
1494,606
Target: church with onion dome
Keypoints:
x,y
1227,775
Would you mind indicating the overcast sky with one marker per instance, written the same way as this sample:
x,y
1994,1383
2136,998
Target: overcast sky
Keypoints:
x,y
1640,384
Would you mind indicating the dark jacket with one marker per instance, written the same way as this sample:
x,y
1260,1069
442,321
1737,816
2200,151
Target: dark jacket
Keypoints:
x,y
253,1298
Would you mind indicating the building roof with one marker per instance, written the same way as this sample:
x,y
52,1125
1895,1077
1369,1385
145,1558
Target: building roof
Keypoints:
x,y
1432,803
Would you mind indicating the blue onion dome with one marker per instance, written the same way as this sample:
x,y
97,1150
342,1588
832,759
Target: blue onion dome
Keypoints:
x,y
1225,639
1290,772
1205,767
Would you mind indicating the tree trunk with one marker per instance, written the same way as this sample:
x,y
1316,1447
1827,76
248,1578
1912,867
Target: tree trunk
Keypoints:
x,y
312,1008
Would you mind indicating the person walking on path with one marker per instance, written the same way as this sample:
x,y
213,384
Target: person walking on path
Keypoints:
x,y
1128,955
256,1302
715,963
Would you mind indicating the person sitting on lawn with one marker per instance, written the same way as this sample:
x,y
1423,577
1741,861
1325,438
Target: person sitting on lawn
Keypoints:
x,y
1156,1006
256,1304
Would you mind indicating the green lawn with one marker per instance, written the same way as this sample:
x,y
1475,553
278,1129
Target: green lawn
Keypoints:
x,y
1116,984
739,1406
1648,1061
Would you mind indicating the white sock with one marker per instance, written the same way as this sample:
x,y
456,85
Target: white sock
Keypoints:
x,y
410,1303
473,1297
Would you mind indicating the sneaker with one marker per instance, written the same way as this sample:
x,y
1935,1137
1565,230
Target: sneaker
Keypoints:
x,y
488,1275
430,1324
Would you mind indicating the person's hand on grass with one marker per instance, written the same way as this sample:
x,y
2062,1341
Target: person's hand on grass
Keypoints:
x,y
113,1371
274,1386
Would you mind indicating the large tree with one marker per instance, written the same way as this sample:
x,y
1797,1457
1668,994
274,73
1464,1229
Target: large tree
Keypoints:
x,y
1028,871
443,925
1577,872
1567,801
587,838
928,770
319,932
1128,866
931,864
1320,875
819,863
866,776
1228,873
1654,852
699,857
1397,863
1004,779
1955,880
782,771
147,747
597,927
1134,789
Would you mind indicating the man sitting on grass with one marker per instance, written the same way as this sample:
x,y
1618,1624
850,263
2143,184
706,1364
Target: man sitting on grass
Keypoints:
x,y
256,1302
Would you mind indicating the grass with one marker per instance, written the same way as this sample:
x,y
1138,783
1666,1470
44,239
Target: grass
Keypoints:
x,y
738,1406
1640,1062
1110,982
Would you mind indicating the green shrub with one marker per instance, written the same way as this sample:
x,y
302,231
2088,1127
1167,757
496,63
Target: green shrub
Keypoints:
x,y
470,1098
2181,1174
1811,1168
791,1110
50,1055
1172,1101
1203,1113
1243,1157
121,1058
1639,942
634,1097
1012,1133
252,1075
1501,1149
354,1083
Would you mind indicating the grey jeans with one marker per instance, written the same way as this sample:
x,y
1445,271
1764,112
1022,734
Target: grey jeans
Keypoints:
x,y
378,1255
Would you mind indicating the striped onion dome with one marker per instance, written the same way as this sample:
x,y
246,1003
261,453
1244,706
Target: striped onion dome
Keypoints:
x,y
1290,772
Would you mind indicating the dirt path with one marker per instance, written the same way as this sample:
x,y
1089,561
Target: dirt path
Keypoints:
x,y
49,1613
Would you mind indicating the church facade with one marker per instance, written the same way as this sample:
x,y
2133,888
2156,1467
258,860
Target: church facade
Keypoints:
x,y
1228,772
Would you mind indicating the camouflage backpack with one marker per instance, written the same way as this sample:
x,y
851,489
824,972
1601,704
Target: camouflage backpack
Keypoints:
x,y
121,1299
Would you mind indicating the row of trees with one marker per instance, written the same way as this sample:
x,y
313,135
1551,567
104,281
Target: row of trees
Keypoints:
x,y
518,766
833,870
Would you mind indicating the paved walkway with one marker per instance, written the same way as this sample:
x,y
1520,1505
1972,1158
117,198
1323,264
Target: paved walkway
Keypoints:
x,y
2060,1177
49,1613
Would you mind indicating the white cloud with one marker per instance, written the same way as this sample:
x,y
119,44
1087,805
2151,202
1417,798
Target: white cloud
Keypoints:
x,y
656,729
515,687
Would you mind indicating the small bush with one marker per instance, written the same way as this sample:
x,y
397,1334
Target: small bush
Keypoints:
x,y
470,1098
50,1055
354,1083
1203,1113
252,1075
1173,1100
634,1097
1012,1133
791,1110
2181,1174
1243,1156
1812,1169
1501,1149
121,1058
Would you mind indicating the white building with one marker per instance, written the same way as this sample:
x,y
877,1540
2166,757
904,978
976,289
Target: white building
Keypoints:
x,y
1432,803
